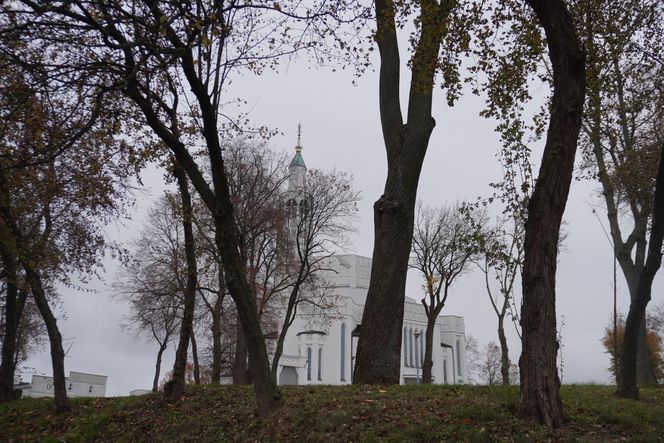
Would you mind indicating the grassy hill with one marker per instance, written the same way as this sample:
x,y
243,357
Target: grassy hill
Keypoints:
x,y
336,413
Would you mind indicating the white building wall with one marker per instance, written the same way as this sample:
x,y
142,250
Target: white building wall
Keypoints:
x,y
78,384
350,282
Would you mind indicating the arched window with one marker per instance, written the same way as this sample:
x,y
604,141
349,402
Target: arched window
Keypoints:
x,y
308,364
304,207
405,347
343,352
291,207
320,364
410,347
458,359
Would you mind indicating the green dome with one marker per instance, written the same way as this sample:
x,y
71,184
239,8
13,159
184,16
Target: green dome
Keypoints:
x,y
298,161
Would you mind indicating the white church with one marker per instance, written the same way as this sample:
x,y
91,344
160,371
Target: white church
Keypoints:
x,y
325,354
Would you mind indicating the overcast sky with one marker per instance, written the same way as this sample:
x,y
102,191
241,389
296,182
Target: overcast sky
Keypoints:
x,y
341,129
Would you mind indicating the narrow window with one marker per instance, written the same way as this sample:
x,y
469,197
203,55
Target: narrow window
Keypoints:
x,y
445,371
458,349
405,347
308,364
343,352
417,353
320,364
410,347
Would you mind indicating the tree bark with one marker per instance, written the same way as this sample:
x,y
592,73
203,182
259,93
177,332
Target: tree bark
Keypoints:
x,y
174,388
55,339
194,356
627,386
240,369
12,319
216,333
428,351
540,386
157,367
504,352
379,347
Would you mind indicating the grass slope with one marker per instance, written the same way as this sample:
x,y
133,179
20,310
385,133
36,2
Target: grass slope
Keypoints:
x,y
337,413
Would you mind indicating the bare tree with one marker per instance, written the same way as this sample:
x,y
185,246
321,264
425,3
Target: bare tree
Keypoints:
x,y
501,262
175,74
317,228
153,281
445,241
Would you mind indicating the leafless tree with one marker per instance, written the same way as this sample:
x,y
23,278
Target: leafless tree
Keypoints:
x,y
445,241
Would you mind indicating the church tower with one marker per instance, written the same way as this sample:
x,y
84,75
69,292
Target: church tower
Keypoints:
x,y
296,203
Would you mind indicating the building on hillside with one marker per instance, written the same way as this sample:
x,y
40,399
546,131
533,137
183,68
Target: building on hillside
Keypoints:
x,y
79,384
320,347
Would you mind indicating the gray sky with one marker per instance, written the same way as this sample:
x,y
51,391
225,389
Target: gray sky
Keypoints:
x,y
341,129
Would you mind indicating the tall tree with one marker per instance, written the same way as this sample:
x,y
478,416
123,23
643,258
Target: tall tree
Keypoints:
x,y
379,347
622,132
540,385
501,261
175,74
637,309
54,201
445,241
154,279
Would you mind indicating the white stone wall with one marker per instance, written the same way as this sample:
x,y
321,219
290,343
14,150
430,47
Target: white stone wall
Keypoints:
x,y
78,384
350,280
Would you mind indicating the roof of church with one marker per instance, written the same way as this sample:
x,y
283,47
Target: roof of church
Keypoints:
x,y
298,160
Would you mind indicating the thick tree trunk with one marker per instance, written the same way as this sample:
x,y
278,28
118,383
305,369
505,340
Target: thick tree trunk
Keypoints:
x,y
540,385
504,352
157,366
12,319
216,342
174,388
194,356
54,337
379,347
428,350
240,369
627,386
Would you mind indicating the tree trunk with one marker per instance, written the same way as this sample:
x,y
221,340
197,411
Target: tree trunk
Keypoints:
x,y
291,309
12,319
631,266
157,366
540,385
627,386
54,337
194,356
240,369
379,347
174,388
428,350
504,352
216,342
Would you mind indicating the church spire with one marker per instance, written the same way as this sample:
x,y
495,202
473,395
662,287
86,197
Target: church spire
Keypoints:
x,y
298,161
298,148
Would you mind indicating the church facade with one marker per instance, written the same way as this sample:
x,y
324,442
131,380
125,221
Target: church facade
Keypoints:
x,y
320,348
